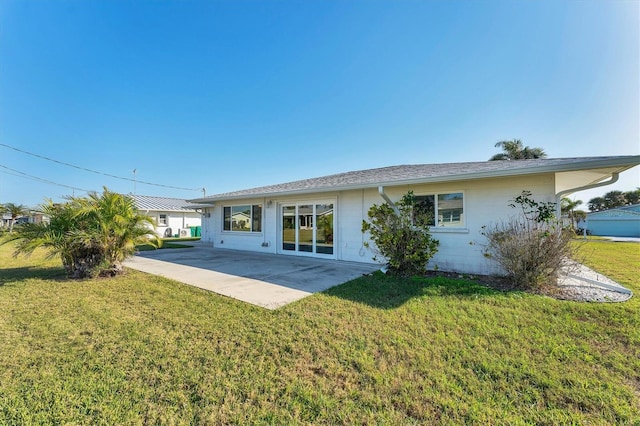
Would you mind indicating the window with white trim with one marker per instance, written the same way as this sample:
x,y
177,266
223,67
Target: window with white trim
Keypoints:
x,y
446,208
242,218
162,219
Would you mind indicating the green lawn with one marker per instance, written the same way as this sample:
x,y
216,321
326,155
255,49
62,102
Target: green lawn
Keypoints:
x,y
305,235
140,349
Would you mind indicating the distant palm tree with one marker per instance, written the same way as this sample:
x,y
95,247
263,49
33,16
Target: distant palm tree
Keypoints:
x,y
613,199
579,215
92,235
16,211
632,197
515,150
596,204
568,207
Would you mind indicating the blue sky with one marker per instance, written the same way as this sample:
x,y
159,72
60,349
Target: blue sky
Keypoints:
x,y
229,95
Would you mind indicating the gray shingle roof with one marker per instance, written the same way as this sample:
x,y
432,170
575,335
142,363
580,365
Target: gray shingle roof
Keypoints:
x,y
147,202
426,173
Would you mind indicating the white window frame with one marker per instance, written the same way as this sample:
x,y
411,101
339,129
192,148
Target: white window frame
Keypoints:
x,y
251,219
166,219
315,201
437,226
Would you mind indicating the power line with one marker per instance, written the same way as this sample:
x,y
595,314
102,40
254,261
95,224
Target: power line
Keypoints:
x,y
97,172
18,173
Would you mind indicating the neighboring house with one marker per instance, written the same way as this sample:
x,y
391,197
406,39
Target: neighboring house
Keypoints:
x,y
241,221
618,222
6,220
173,216
322,217
32,217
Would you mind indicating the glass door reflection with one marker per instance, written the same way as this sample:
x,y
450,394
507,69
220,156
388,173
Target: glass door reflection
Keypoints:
x,y
324,227
308,228
305,228
289,228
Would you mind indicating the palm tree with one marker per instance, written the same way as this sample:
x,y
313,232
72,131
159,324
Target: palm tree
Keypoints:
x,y
15,210
92,235
568,207
515,150
116,226
78,257
579,215
613,199
632,197
596,204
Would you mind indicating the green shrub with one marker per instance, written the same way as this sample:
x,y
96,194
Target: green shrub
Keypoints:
x,y
93,235
401,236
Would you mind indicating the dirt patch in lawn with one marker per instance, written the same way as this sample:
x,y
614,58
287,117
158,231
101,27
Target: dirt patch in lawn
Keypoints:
x,y
574,290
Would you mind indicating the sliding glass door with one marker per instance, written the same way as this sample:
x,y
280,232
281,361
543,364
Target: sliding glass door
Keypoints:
x,y
307,228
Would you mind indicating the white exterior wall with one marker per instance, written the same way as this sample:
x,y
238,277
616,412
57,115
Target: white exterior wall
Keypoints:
x,y
176,221
485,202
213,233
207,225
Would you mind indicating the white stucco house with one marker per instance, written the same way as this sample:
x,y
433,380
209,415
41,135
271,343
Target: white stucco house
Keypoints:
x,y
619,222
322,217
31,217
173,216
5,220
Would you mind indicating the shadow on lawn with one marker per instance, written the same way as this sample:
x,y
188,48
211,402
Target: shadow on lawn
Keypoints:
x,y
11,275
388,292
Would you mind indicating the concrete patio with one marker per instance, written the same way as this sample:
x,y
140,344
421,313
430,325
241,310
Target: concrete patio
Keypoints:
x,y
266,280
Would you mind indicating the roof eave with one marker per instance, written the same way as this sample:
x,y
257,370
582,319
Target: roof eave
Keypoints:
x,y
153,209
622,163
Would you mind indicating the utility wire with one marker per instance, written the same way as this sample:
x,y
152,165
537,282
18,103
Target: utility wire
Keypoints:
x,y
97,172
36,178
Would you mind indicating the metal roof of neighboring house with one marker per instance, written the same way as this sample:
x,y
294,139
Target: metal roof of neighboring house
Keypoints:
x,y
429,173
165,204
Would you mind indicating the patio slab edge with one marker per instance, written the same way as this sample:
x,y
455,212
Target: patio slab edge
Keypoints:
x,y
255,292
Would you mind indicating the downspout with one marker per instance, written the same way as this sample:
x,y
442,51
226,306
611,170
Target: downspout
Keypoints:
x,y
614,179
387,199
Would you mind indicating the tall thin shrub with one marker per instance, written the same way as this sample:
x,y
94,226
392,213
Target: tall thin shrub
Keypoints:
x,y
532,247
